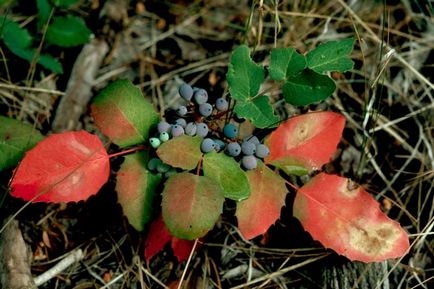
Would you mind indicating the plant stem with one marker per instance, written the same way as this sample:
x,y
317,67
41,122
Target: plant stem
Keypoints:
x,y
138,148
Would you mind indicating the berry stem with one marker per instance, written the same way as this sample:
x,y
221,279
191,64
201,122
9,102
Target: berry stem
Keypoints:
x,y
138,148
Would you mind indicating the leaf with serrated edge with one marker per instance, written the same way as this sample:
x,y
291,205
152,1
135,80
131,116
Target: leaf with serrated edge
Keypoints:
x,y
16,138
228,174
306,142
331,56
259,111
122,114
344,217
64,167
136,189
307,87
191,205
181,152
257,213
285,62
244,76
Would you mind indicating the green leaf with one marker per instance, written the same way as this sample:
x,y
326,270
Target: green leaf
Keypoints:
x,y
13,35
64,3
256,214
191,205
15,139
122,113
244,76
331,56
228,174
137,189
45,60
181,152
259,111
285,62
44,11
68,31
308,87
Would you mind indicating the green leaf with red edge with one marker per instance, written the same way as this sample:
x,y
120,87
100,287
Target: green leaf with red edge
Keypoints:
x,y
181,152
306,142
191,205
136,189
123,114
228,174
159,236
257,213
16,138
65,167
344,217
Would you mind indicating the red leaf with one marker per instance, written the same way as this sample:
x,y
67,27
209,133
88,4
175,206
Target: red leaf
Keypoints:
x,y
344,217
158,237
66,167
305,142
182,248
257,213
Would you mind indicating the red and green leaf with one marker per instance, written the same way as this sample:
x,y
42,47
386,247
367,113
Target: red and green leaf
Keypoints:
x,y
65,167
122,114
159,236
16,138
257,213
344,217
136,188
228,174
181,152
306,142
191,205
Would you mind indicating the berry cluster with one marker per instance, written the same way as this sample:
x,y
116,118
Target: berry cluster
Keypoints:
x,y
196,118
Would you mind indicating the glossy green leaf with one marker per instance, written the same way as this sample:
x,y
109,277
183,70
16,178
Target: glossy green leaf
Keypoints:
x,y
44,11
259,111
13,35
308,87
244,76
181,152
68,31
228,174
65,3
44,60
191,205
331,56
136,188
257,213
123,114
15,139
285,62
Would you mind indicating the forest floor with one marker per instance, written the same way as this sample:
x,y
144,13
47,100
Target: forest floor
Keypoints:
x,y
388,142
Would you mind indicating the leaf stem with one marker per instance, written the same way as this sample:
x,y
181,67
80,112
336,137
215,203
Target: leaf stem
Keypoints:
x,y
291,185
138,148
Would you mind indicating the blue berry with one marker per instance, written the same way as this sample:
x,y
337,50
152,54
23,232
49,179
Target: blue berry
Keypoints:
x,y
163,126
181,122
230,130
181,111
190,129
205,109
262,151
221,104
177,130
233,149
155,142
202,129
164,136
207,145
201,96
249,162
220,145
251,138
248,148
186,91
153,163
162,167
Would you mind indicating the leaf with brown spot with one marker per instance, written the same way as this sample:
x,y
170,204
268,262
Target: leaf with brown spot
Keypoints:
x,y
347,219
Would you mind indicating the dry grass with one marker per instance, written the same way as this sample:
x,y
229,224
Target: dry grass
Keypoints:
x,y
387,147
